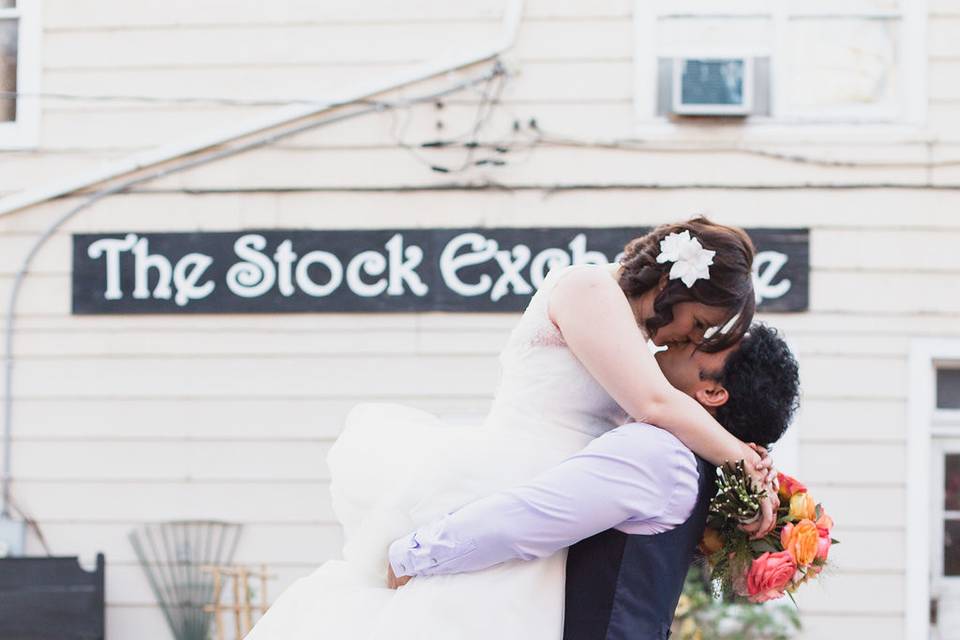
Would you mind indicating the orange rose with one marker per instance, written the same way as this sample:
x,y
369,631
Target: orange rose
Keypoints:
x,y
711,542
802,507
789,486
801,541
769,576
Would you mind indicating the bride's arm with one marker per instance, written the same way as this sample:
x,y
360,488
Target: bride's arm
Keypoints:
x,y
598,326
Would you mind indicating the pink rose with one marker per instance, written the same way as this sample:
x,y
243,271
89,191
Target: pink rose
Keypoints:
x,y
823,545
824,523
769,576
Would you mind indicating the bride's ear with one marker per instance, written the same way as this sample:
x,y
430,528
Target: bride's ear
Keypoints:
x,y
715,395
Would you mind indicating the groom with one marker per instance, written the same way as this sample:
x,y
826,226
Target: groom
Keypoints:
x,y
631,506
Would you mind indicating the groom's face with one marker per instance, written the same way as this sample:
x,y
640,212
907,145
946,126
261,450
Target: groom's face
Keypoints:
x,y
694,372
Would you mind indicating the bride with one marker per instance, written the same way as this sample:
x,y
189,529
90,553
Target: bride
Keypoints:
x,y
576,365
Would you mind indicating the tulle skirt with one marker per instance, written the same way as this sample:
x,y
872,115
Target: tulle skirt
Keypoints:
x,y
392,469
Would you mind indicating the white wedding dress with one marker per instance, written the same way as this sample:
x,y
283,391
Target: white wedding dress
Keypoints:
x,y
395,467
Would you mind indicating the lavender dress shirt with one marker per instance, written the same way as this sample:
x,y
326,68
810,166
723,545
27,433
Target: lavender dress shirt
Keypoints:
x,y
636,478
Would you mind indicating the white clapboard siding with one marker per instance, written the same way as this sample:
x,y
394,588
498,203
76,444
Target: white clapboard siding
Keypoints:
x,y
942,79
807,331
234,419
862,506
202,376
600,80
880,625
339,43
942,117
134,127
942,36
866,292
131,342
25,170
545,166
826,420
68,15
832,463
874,592
117,501
864,550
274,544
146,622
128,585
886,250
815,208
171,461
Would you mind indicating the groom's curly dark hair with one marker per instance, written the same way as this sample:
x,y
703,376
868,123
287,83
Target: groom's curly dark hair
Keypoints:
x,y
762,378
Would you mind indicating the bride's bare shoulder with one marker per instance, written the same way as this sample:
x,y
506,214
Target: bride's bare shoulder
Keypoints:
x,y
581,282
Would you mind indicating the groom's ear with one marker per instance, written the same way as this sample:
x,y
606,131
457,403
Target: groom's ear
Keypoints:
x,y
713,396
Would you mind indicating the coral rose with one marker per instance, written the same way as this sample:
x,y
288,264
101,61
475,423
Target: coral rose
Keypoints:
x,y
769,576
801,541
789,486
802,507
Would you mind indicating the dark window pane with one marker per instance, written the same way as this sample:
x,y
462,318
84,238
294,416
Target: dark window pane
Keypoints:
x,y
8,68
951,548
712,82
948,388
951,482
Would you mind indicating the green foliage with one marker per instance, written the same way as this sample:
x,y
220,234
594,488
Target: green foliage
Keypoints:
x,y
701,616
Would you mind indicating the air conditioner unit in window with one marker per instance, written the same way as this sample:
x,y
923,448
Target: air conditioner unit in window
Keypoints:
x,y
713,86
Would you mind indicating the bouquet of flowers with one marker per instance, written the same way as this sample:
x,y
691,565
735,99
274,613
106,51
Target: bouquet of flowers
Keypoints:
x,y
793,553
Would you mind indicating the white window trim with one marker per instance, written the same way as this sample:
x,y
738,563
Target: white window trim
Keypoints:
x,y
870,122
24,132
926,355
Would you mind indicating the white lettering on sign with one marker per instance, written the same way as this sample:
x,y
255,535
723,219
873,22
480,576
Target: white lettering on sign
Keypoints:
x,y
766,267
402,265
143,262
470,265
373,264
512,263
113,247
184,276
256,274
186,273
481,250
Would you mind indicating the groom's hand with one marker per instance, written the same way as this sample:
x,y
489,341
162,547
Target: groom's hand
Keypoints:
x,y
393,581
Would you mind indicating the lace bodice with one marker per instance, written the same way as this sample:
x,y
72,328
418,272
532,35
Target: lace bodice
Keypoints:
x,y
543,386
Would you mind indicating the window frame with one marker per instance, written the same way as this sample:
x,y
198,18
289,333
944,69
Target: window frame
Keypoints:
x,y
926,427
875,123
24,131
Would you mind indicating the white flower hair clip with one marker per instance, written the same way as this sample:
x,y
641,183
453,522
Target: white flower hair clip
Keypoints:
x,y
690,260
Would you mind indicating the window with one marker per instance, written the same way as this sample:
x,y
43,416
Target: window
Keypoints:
x,y
828,61
948,388
19,73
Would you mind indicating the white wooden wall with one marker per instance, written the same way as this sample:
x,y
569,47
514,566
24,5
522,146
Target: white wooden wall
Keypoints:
x,y
123,419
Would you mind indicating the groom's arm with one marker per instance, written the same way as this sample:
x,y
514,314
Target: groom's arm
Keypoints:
x,y
635,477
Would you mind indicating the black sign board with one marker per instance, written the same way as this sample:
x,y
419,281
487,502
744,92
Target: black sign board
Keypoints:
x,y
51,598
371,270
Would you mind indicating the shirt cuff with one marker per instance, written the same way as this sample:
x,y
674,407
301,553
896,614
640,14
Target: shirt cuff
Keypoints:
x,y
399,555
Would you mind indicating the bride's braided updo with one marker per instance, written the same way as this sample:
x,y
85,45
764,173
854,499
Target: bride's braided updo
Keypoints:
x,y
730,285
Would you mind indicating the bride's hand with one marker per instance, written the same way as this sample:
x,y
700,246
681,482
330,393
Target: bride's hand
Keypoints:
x,y
764,474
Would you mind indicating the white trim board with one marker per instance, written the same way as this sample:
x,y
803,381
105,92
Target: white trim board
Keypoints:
x,y
24,132
925,355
